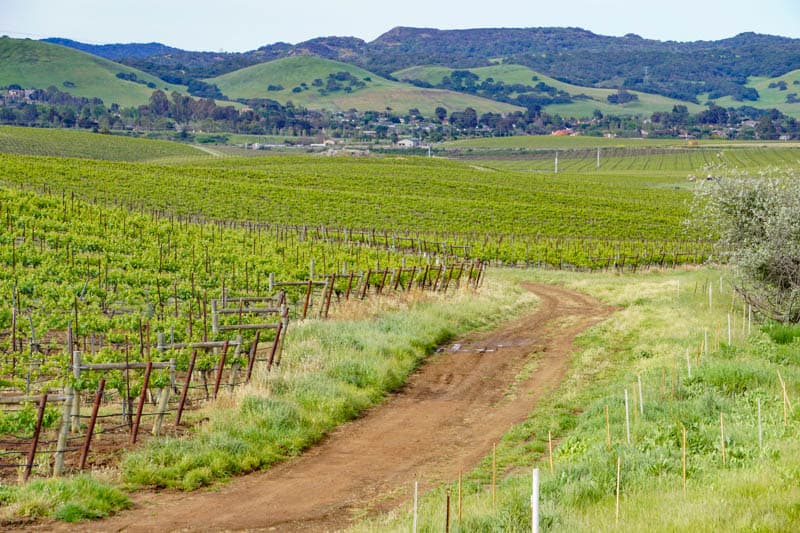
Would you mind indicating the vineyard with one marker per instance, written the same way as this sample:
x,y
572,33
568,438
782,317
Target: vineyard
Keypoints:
x,y
65,143
115,313
143,283
685,161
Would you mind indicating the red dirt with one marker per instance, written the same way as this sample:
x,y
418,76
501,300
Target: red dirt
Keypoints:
x,y
447,417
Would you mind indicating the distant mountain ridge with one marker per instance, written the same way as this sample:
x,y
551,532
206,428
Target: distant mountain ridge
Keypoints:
x,y
690,71
118,51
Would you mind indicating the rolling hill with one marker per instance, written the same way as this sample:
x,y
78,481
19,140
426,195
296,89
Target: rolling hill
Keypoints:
x,y
589,98
317,83
683,70
773,93
36,64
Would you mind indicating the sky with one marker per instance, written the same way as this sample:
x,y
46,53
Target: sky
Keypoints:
x,y
240,25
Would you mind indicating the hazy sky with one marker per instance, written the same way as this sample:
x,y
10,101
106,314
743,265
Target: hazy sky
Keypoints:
x,y
239,25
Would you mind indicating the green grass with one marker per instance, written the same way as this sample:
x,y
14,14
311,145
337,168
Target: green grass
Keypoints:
x,y
518,74
35,64
69,143
770,97
68,499
378,95
661,316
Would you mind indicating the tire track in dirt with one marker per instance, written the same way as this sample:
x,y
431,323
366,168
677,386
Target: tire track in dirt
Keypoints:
x,y
448,415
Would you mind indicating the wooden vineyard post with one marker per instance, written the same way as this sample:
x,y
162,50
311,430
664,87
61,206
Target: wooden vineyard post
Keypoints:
x,y
98,397
76,396
284,329
550,447
424,280
61,446
140,405
365,287
185,390
398,273
220,368
447,279
349,286
447,513
330,295
307,299
35,441
161,409
252,356
379,285
275,344
411,279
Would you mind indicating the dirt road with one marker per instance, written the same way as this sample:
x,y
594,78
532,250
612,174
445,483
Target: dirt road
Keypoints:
x,y
452,410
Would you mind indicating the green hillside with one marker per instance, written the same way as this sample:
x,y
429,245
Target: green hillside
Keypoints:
x,y
67,143
775,96
35,64
293,79
597,98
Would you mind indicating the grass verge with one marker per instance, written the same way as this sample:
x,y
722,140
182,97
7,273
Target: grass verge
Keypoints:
x,y
662,318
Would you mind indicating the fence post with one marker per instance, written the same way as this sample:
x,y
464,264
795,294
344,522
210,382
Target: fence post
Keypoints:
x,y
76,397
35,442
140,406
220,367
307,299
185,390
98,397
253,351
163,399
61,446
275,344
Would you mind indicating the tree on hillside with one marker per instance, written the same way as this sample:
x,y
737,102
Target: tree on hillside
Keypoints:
x,y
757,221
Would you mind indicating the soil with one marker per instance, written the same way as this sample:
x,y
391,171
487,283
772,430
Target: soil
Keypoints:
x,y
446,418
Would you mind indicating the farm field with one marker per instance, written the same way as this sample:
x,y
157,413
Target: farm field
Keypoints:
x,y
123,262
81,144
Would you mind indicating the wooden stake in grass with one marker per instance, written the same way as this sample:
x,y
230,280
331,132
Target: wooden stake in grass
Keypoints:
x,y
535,501
550,445
416,499
683,450
722,438
494,474
787,405
608,431
730,338
627,418
619,469
459,495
